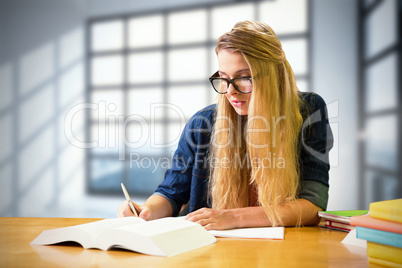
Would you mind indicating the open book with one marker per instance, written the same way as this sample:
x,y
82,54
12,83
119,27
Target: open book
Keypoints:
x,y
162,237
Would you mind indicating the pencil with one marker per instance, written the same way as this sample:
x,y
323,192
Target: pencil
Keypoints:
x,y
128,199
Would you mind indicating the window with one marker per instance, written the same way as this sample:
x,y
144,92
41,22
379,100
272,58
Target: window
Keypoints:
x,y
380,90
148,74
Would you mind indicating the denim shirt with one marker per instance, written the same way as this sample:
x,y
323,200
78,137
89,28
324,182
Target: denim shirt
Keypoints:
x,y
187,180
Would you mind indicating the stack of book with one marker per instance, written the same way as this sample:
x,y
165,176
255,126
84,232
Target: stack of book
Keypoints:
x,y
382,229
339,220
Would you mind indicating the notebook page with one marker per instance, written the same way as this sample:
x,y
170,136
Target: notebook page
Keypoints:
x,y
264,232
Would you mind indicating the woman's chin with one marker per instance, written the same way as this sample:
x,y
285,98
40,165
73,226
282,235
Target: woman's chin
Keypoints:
x,y
240,110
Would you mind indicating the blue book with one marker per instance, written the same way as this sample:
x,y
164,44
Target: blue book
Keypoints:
x,y
378,236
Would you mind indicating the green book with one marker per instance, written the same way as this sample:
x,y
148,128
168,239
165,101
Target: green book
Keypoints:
x,y
342,216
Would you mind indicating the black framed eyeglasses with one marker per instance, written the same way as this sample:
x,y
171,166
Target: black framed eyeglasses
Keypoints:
x,y
241,84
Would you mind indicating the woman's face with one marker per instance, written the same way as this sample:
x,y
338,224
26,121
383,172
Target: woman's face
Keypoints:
x,y
233,65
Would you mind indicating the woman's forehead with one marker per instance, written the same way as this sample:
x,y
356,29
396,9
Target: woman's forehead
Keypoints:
x,y
231,62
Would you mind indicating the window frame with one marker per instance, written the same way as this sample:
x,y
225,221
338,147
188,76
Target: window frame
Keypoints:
x,y
164,84
380,174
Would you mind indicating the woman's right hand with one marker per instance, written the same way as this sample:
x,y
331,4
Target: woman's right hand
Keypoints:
x,y
124,210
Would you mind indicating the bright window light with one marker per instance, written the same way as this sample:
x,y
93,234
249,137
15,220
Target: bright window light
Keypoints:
x,y
146,67
284,16
107,70
187,27
296,54
107,35
224,18
146,31
187,64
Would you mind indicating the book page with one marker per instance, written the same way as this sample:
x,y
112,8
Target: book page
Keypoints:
x,y
84,234
351,239
159,226
95,228
161,237
264,232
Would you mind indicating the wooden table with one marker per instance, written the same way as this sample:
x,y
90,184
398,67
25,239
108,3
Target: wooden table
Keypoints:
x,y
302,247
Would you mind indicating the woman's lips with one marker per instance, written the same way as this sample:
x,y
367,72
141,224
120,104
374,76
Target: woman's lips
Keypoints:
x,y
237,103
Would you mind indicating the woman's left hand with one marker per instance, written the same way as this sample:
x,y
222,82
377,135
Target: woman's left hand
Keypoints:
x,y
214,219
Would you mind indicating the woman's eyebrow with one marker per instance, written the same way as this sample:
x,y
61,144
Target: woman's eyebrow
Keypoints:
x,y
239,71
243,70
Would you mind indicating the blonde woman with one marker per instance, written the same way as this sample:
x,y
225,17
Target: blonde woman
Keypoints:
x,y
257,158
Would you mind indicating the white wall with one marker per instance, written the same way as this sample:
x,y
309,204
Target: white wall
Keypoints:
x,y
42,77
335,78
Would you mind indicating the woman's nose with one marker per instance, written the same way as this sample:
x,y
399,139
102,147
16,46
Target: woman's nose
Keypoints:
x,y
231,89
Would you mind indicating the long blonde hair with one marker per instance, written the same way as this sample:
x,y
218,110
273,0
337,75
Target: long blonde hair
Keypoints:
x,y
259,151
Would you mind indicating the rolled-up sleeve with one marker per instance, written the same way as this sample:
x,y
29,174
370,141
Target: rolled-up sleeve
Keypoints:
x,y
315,143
